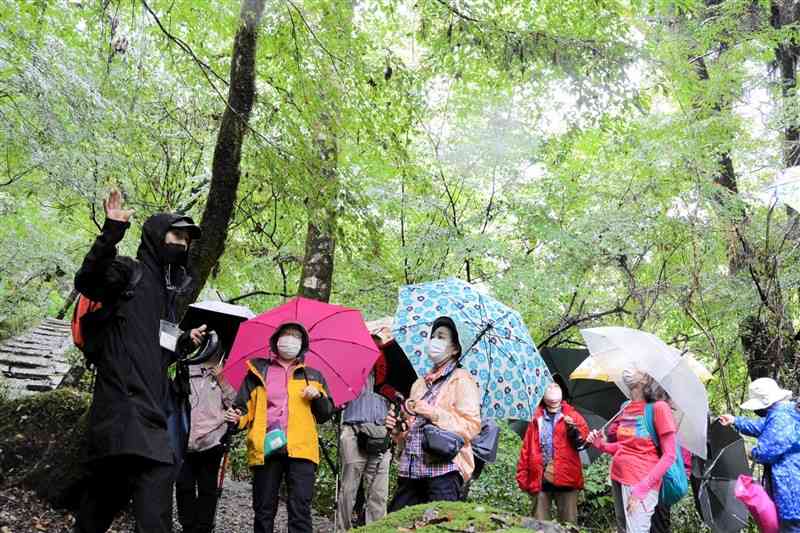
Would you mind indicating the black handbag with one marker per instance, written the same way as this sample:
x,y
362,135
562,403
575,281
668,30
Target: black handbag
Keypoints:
x,y
442,445
372,439
484,446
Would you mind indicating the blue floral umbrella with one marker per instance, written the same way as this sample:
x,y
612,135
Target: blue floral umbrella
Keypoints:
x,y
497,348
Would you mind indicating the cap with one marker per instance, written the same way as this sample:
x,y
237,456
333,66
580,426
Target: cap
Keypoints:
x,y
187,224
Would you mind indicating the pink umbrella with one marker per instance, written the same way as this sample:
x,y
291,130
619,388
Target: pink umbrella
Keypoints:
x,y
340,344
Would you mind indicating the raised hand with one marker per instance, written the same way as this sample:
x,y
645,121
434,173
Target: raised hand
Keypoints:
x,y
113,207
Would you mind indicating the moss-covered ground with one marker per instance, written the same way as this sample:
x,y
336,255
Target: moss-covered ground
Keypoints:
x,y
442,517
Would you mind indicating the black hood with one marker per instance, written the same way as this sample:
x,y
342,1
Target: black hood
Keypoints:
x,y
154,230
273,341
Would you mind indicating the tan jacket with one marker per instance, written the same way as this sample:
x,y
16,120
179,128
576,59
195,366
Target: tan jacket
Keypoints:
x,y
209,398
457,409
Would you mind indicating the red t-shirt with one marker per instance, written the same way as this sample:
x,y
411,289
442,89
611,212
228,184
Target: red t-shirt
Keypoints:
x,y
637,453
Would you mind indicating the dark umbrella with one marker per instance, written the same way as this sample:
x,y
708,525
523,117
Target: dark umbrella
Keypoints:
x,y
720,509
596,397
401,374
224,318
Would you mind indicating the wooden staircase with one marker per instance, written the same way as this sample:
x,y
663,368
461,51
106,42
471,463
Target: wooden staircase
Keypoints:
x,y
36,360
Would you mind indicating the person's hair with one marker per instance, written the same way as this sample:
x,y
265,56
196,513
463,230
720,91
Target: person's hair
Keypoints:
x,y
652,391
377,339
290,327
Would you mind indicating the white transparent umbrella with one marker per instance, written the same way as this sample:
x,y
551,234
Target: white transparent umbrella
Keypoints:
x,y
618,348
785,189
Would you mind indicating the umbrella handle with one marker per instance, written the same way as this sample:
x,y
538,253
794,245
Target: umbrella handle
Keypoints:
x,y
399,414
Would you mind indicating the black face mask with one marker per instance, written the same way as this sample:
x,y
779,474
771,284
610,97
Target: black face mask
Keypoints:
x,y
174,254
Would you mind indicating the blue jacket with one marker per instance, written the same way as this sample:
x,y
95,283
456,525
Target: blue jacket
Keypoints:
x,y
779,446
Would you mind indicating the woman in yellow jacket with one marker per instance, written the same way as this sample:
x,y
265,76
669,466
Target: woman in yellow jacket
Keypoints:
x,y
280,403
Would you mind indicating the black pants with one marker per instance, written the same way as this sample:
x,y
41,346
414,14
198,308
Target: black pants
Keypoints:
x,y
196,490
300,476
446,488
114,481
660,521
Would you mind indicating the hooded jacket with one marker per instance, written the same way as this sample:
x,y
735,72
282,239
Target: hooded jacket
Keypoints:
x,y
567,463
132,396
778,446
303,415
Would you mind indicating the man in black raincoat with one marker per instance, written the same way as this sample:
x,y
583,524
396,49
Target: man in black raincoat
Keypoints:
x,y
132,453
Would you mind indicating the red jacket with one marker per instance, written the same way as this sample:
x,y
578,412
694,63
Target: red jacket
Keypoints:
x,y
381,374
567,468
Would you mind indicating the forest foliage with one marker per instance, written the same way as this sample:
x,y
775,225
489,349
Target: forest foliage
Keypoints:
x,y
586,162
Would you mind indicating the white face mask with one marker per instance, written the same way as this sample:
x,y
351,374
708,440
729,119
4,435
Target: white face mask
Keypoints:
x,y
438,350
289,347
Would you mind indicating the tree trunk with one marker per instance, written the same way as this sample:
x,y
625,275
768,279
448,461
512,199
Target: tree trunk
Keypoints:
x,y
225,168
786,58
73,295
786,54
766,334
316,280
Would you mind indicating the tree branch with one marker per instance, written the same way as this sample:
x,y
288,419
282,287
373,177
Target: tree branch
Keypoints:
x,y
183,45
568,323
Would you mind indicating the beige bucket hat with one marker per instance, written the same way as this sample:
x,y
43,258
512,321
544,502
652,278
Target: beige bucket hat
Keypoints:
x,y
764,392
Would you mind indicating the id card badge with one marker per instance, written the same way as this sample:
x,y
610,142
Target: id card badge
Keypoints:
x,y
168,335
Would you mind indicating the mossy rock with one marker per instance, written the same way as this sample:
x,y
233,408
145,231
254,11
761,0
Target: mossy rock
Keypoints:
x,y
446,517
42,444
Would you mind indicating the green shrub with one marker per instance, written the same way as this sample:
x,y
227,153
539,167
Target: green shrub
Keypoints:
x,y
497,484
325,489
42,443
684,517
595,502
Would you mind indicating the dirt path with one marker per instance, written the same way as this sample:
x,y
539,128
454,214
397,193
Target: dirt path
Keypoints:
x,y
235,512
21,511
